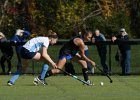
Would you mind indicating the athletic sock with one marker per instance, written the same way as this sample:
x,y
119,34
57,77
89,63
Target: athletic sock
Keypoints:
x,y
15,76
85,73
48,74
43,72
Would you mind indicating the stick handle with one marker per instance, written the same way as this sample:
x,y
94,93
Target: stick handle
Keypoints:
x,y
75,77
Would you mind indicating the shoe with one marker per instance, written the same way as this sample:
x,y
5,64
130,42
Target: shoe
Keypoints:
x,y
89,83
9,83
37,80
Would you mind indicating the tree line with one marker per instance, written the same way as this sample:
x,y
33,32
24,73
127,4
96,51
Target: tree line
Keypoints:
x,y
68,17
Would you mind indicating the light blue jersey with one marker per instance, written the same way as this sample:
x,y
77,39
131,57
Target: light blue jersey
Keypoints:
x,y
35,44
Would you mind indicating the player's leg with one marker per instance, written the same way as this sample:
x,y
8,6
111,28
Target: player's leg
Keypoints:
x,y
90,68
24,65
35,55
44,67
19,64
83,63
14,77
3,59
41,77
60,65
43,71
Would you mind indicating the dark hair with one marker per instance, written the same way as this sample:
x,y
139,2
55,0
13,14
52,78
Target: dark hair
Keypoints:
x,y
86,32
52,34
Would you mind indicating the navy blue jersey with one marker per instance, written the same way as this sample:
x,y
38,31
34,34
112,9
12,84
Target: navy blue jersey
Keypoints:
x,y
69,48
123,46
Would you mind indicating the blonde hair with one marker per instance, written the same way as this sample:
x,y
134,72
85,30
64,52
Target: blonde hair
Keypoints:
x,y
2,35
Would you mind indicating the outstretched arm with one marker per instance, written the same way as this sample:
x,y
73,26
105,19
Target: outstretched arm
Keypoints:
x,y
47,58
81,45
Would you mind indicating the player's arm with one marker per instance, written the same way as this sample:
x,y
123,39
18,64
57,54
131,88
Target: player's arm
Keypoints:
x,y
81,45
47,58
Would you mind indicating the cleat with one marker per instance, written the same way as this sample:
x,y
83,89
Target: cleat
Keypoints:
x,y
89,83
9,83
37,81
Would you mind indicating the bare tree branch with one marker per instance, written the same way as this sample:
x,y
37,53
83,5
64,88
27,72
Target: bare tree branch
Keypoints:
x,y
94,13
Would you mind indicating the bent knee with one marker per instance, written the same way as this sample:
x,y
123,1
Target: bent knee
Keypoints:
x,y
56,71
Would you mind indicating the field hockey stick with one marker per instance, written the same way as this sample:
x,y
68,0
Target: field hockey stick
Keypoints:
x,y
97,66
75,77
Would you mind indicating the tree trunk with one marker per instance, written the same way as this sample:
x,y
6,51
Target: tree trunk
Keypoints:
x,y
135,23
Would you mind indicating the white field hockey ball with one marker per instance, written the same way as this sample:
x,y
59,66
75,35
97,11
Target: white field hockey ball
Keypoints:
x,y
101,83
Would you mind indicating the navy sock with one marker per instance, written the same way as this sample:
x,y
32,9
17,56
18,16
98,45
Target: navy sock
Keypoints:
x,y
85,73
48,74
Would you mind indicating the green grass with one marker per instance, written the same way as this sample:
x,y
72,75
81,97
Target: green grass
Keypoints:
x,y
66,88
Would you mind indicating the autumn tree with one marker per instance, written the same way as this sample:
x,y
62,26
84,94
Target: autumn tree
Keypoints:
x,y
70,16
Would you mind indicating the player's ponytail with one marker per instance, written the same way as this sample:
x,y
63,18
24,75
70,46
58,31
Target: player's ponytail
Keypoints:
x,y
52,34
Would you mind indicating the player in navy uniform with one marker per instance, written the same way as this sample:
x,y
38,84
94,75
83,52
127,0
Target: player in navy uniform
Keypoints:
x,y
74,50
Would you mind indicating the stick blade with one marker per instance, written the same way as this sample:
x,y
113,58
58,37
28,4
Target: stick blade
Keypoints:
x,y
111,81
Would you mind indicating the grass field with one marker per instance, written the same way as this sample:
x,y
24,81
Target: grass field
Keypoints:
x,y
66,88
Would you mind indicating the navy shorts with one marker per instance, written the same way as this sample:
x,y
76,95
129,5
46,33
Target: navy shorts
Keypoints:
x,y
26,54
68,57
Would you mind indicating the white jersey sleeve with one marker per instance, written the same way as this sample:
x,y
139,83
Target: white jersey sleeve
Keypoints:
x,y
36,44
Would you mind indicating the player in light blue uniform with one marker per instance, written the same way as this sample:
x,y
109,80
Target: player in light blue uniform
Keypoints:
x,y
31,51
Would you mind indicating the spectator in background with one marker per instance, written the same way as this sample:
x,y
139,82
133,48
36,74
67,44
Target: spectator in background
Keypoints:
x,y
20,36
101,48
7,53
124,50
